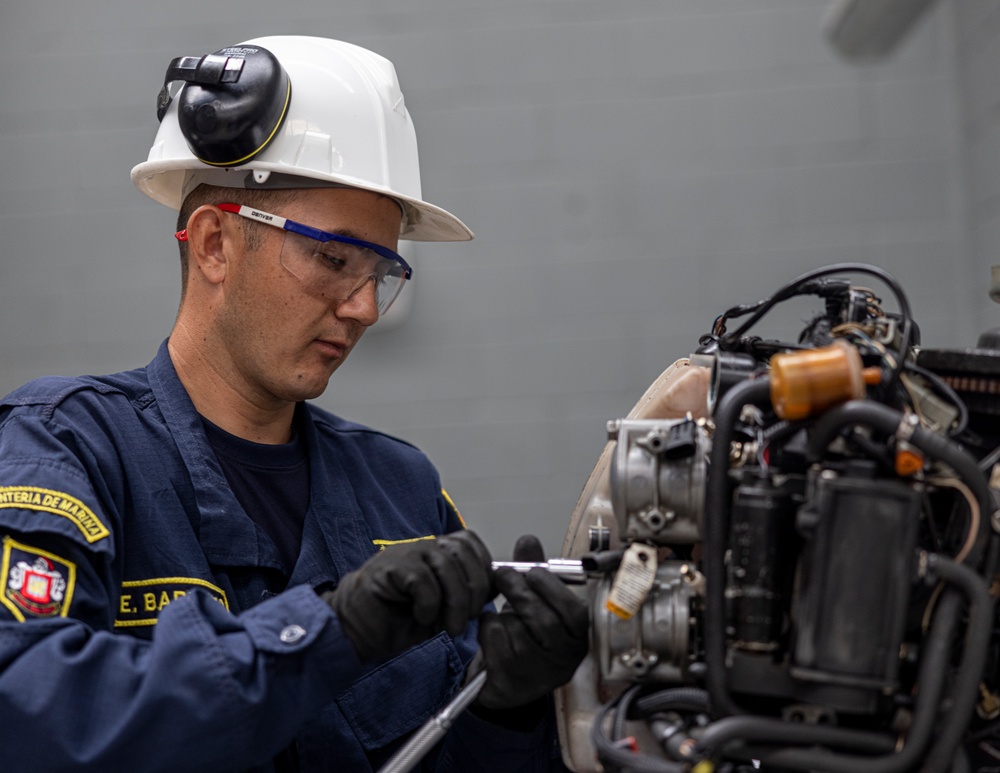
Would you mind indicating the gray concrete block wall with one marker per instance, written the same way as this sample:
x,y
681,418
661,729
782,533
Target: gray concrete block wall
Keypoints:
x,y
630,168
976,30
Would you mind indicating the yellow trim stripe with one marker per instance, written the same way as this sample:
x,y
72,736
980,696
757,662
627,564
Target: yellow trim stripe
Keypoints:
x,y
450,502
57,503
384,543
176,581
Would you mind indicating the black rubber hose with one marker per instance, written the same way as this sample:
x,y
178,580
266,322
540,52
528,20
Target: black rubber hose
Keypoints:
x,y
780,431
963,695
992,562
688,699
961,762
621,714
931,679
977,641
718,503
623,759
767,730
934,445
717,509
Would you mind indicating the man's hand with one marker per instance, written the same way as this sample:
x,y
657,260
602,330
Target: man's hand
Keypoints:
x,y
538,639
409,593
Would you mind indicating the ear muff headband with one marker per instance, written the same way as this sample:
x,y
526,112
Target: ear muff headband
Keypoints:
x,y
232,104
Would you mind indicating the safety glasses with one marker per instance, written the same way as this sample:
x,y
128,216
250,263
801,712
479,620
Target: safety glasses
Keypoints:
x,y
332,265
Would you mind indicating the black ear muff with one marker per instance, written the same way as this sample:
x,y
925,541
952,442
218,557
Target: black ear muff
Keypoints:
x,y
232,104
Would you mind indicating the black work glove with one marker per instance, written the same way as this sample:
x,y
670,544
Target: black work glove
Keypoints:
x,y
409,593
537,640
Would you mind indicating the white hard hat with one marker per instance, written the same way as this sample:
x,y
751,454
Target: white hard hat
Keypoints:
x,y
323,113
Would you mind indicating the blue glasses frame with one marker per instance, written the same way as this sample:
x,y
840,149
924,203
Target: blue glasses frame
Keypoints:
x,y
306,230
314,233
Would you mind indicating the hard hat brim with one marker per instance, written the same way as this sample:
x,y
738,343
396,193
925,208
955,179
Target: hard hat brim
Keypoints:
x,y
163,181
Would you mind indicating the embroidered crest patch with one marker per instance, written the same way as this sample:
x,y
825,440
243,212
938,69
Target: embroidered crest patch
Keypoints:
x,y
35,583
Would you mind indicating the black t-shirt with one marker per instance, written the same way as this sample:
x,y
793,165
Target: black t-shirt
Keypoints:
x,y
271,482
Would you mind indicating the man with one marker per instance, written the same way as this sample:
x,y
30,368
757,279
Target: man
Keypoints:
x,y
200,570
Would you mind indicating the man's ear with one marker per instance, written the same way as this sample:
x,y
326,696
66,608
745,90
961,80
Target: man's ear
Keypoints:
x,y
209,236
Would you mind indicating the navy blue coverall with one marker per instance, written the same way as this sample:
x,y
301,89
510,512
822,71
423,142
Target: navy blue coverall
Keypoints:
x,y
147,623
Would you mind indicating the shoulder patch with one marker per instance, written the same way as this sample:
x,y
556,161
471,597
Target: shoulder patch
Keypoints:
x,y
49,501
35,583
141,601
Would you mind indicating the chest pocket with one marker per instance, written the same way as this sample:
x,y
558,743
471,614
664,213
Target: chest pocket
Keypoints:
x,y
399,696
364,725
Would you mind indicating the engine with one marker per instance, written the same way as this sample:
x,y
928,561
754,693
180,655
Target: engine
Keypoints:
x,y
792,551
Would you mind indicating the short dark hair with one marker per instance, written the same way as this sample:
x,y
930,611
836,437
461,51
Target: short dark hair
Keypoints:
x,y
212,194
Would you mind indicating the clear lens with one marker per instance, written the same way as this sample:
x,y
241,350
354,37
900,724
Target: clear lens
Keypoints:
x,y
336,271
